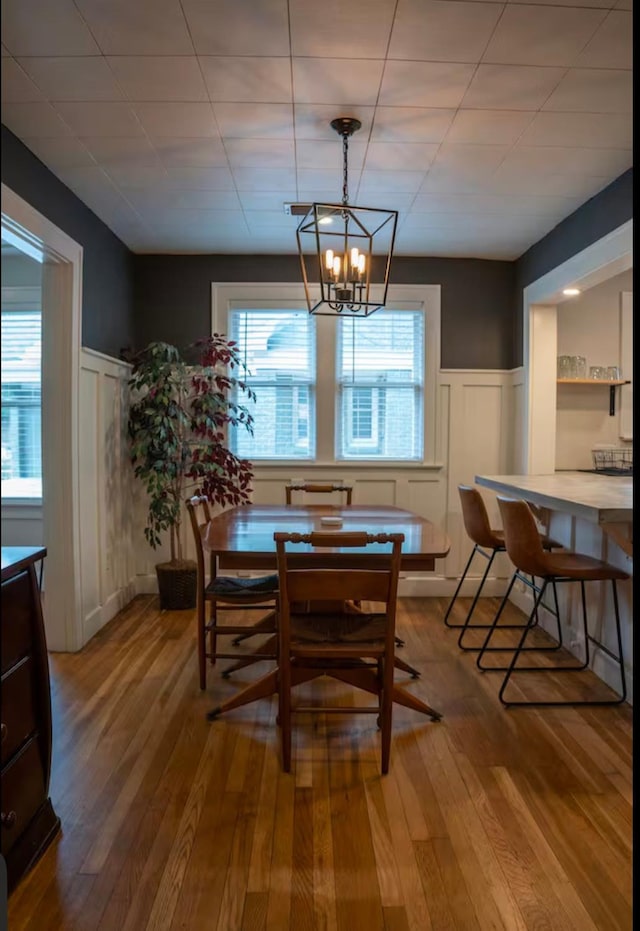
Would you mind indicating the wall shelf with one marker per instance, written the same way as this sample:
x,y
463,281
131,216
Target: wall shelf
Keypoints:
x,y
611,385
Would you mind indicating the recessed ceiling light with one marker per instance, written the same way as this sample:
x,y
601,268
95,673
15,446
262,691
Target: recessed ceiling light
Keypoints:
x,y
571,292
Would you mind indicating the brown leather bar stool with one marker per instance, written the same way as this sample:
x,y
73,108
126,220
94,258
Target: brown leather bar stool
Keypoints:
x,y
527,554
487,542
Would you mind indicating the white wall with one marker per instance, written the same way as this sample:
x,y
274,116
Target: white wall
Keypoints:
x,y
590,326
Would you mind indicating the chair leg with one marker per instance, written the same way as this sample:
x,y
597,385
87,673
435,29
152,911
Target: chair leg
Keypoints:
x,y
202,658
285,713
269,645
485,648
213,620
386,716
575,668
465,625
459,586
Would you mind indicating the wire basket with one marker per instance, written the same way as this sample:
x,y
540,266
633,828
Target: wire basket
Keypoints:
x,y
614,459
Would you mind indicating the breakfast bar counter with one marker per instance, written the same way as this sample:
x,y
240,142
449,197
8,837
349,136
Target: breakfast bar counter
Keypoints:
x,y
601,499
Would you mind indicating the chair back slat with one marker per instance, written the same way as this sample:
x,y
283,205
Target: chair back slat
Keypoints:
x,y
338,585
320,488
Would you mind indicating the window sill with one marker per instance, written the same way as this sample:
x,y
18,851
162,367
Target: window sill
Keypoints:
x,y
298,465
21,502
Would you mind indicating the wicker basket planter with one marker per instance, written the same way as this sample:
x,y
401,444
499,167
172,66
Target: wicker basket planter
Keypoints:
x,y
177,585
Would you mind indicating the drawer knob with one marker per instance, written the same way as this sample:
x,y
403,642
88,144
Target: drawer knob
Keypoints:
x,y
3,732
8,820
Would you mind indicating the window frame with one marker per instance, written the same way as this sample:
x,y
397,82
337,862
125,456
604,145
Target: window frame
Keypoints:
x,y
401,297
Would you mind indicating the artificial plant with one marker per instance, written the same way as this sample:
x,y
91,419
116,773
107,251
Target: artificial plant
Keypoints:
x,y
179,417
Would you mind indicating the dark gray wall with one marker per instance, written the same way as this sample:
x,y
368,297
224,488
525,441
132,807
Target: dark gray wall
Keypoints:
x,y
107,298
173,299
605,212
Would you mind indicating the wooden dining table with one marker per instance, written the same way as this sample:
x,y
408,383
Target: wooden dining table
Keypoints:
x,y
241,538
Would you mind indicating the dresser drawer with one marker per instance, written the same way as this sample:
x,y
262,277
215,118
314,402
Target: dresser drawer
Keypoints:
x,y
22,793
17,704
16,626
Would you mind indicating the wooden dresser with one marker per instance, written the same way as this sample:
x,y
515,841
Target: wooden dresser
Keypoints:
x,y
28,822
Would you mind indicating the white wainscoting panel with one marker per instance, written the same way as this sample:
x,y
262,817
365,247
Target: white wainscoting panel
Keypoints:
x,y
106,526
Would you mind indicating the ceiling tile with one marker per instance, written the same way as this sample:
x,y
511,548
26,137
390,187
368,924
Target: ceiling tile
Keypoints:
x,y
99,118
336,80
313,121
201,179
511,87
33,119
16,85
60,152
570,160
463,168
224,27
327,180
73,78
424,84
390,182
40,27
513,179
127,174
159,78
493,203
202,153
5,52
405,156
384,201
248,80
148,199
142,27
260,153
535,35
335,29
177,119
488,126
132,149
592,130
267,200
594,91
254,121
624,5
410,124
188,224
612,45
594,4
276,219
320,154
444,30
265,179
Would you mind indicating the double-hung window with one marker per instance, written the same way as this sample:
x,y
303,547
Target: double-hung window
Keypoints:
x,y
21,404
333,389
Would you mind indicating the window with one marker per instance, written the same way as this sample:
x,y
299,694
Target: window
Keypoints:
x,y
21,404
278,348
380,368
332,389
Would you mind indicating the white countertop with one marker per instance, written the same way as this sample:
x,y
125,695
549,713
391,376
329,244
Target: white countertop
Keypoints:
x,y
600,499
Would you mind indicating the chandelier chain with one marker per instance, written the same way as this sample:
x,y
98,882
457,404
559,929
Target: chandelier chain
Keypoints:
x,y
345,176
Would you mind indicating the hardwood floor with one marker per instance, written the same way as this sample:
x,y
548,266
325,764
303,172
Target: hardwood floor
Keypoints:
x,y
490,819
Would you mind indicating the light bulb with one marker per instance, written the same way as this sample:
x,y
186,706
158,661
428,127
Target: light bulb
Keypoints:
x,y
328,259
354,257
361,261
336,266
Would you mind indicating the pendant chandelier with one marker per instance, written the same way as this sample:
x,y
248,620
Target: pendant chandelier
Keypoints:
x,y
336,242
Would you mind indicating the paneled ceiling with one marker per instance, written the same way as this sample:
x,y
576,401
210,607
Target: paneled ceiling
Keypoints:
x,y
187,124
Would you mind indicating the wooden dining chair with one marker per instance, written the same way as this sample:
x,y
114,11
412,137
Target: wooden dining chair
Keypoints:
x,y
530,559
356,647
319,488
230,594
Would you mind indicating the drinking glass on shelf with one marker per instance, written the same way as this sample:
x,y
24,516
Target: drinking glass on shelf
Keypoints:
x,y
581,367
564,367
598,372
613,373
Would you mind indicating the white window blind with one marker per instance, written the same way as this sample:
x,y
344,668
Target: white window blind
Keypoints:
x,y
21,404
278,348
380,379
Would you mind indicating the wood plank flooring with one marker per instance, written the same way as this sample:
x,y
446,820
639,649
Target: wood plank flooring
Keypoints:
x,y
490,819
